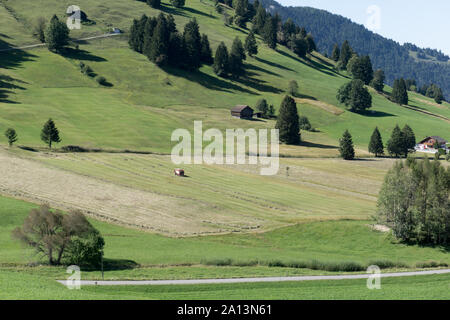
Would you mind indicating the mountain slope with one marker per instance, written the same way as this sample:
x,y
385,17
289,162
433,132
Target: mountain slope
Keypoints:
x,y
395,59
145,103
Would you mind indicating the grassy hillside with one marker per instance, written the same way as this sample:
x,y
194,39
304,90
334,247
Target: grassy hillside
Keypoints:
x,y
343,241
168,258
146,103
220,220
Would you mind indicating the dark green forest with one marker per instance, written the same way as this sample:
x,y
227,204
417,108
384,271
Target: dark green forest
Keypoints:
x,y
328,29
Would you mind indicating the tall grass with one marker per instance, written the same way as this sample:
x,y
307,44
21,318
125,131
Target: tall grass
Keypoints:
x,y
331,266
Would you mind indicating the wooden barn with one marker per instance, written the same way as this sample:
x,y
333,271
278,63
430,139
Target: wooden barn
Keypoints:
x,y
242,112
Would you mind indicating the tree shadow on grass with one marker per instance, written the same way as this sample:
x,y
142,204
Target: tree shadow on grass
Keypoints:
x,y
311,63
14,58
7,84
317,145
250,66
119,264
305,96
273,64
207,81
376,114
80,54
174,11
259,85
196,12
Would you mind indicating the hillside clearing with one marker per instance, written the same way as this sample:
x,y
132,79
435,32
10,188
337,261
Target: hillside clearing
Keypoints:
x,y
141,191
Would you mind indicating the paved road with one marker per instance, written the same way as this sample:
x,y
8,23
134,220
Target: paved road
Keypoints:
x,y
75,40
254,280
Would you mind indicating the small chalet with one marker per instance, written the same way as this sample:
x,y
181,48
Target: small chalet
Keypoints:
x,y
242,112
428,144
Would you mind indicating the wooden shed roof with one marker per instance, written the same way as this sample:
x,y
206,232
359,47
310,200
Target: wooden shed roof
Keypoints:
x,y
239,108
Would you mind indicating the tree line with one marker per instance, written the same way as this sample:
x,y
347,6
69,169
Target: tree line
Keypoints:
x,y
49,134
401,142
414,201
270,27
159,40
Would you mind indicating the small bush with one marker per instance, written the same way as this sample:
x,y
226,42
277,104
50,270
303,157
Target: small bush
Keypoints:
x,y
217,262
250,263
101,81
387,264
73,149
431,264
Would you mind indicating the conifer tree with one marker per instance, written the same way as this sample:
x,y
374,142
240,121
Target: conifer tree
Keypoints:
x,y
156,4
50,133
241,10
263,107
288,122
311,44
259,20
300,46
346,148
171,24
206,56
409,138
149,28
293,88
399,92
438,96
378,80
237,56
346,54
159,45
133,40
335,55
269,33
143,32
193,44
221,60
57,34
396,144
376,143
251,46
176,50
11,135
361,68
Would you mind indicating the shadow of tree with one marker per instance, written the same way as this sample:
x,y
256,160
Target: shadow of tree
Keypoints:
x,y
311,63
376,114
81,55
119,264
273,64
11,60
207,81
317,145
173,11
250,66
257,84
305,96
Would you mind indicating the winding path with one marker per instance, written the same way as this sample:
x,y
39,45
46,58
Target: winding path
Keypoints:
x,y
75,40
252,280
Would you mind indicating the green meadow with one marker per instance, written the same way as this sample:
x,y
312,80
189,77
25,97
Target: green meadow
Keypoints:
x,y
313,217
